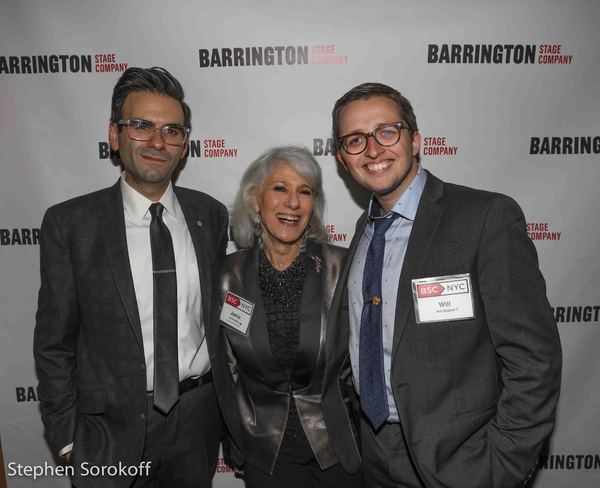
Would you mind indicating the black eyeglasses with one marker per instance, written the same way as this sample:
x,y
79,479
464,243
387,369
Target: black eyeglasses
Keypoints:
x,y
385,135
143,130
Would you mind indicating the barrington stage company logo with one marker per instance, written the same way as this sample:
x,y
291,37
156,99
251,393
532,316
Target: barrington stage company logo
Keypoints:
x,y
334,236
576,314
570,461
497,54
541,231
564,145
61,63
198,148
437,146
228,57
19,237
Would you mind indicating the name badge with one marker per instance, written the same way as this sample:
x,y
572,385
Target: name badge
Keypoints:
x,y
443,298
236,312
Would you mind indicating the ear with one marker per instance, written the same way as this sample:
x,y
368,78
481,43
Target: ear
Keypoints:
x,y
340,158
416,143
113,136
255,205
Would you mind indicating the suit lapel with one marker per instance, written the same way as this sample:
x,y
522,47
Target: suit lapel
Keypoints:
x,y
426,221
312,319
200,231
337,335
115,243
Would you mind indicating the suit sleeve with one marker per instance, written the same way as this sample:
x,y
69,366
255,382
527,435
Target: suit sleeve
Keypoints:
x,y
56,334
526,340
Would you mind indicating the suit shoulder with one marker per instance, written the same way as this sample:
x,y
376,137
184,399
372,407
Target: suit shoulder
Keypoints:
x,y
202,198
468,208
467,196
334,250
233,268
236,257
81,206
81,200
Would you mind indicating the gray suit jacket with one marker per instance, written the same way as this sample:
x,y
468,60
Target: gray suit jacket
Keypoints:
x,y
254,393
476,398
88,343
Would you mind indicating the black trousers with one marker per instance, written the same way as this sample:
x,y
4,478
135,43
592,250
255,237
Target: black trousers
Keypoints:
x,y
386,460
183,446
289,474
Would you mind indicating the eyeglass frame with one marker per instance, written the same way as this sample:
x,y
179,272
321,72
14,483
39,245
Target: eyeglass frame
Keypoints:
x,y
126,122
399,125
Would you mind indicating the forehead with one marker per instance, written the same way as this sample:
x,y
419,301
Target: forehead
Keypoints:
x,y
285,172
153,107
366,114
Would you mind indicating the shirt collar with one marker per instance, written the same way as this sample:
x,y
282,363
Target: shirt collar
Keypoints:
x,y
407,204
137,204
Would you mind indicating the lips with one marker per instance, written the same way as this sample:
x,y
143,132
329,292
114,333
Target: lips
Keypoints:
x,y
153,159
288,219
378,166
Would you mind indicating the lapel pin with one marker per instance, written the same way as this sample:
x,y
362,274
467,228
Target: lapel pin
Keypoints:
x,y
198,223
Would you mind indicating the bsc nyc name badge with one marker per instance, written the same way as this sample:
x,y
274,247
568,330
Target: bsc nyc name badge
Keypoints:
x,y
443,298
236,312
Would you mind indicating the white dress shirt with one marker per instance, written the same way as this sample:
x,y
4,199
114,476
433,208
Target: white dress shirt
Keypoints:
x,y
193,353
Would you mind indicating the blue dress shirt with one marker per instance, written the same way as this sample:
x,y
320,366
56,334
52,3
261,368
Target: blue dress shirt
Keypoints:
x,y
396,241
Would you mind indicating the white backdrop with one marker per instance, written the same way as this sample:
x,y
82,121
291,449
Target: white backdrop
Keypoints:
x,y
512,124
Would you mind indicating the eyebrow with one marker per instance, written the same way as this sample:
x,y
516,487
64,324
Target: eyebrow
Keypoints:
x,y
181,124
362,131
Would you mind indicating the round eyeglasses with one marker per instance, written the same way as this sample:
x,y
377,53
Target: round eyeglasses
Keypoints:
x,y
143,130
385,135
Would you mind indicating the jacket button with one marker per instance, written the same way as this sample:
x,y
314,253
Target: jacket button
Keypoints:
x,y
142,416
142,367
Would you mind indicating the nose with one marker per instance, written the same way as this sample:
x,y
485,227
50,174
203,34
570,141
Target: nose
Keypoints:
x,y
373,149
293,202
157,141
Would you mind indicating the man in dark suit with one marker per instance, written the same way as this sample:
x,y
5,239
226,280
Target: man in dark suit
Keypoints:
x,y
126,281
454,349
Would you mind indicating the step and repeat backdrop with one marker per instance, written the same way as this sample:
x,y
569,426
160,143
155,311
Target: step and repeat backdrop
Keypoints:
x,y
507,96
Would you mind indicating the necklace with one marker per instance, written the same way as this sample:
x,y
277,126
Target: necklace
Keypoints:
x,y
282,286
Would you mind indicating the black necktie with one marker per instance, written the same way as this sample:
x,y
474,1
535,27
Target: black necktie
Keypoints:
x,y
373,396
166,367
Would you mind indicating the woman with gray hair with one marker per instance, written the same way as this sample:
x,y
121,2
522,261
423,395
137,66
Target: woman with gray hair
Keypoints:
x,y
282,379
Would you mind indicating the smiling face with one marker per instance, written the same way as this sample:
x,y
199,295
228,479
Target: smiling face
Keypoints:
x,y
285,202
386,171
148,165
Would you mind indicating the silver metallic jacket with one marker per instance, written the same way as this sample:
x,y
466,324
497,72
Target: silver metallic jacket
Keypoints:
x,y
254,393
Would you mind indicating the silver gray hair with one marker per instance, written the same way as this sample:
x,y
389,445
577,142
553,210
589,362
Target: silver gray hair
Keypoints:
x,y
243,214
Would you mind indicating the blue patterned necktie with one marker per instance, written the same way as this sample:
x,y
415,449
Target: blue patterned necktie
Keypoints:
x,y
373,396
166,367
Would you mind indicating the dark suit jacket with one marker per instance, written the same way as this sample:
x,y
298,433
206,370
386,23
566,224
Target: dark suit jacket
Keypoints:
x,y
88,344
476,398
254,393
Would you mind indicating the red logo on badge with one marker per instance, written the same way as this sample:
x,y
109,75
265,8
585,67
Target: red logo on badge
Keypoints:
x,y
232,300
429,290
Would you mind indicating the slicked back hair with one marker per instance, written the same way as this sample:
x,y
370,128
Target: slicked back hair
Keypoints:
x,y
155,80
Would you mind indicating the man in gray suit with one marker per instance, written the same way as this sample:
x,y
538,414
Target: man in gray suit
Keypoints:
x,y
126,280
454,349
